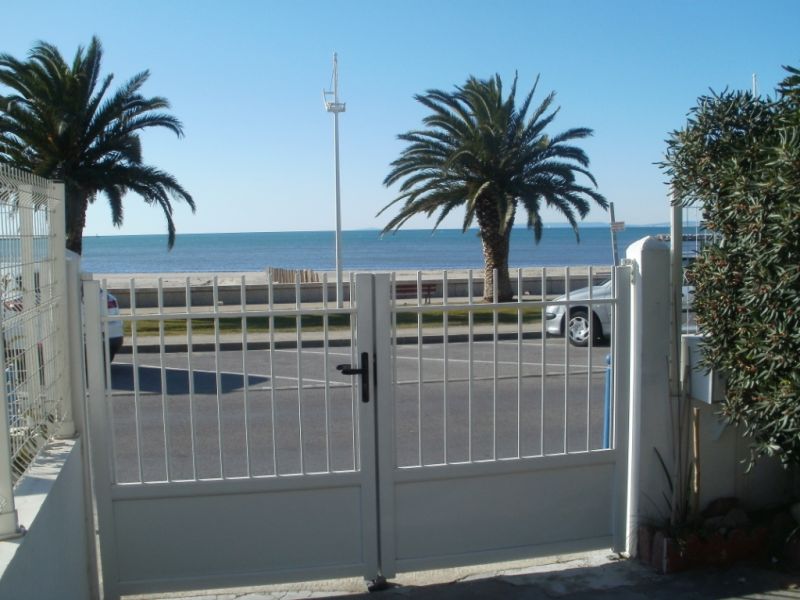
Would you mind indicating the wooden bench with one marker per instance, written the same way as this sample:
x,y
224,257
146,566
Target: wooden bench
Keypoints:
x,y
408,289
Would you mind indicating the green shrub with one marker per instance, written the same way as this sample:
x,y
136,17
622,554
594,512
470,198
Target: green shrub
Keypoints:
x,y
738,158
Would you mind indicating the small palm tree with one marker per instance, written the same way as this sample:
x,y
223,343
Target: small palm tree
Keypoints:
x,y
481,151
57,122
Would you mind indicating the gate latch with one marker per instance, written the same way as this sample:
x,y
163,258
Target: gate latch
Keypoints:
x,y
346,369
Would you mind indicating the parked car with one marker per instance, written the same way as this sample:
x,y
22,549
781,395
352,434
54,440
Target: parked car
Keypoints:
x,y
14,331
578,326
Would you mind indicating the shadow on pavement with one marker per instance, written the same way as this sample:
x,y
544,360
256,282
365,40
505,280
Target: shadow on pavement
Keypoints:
x,y
177,380
624,580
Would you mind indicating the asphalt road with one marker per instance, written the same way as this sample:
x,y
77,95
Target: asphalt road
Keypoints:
x,y
217,422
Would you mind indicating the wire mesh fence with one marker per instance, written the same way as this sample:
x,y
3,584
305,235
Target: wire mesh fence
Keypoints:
x,y
31,294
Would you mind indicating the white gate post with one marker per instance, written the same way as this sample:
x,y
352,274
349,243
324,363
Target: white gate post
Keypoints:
x,y
365,342
621,364
99,439
74,341
384,407
652,422
64,323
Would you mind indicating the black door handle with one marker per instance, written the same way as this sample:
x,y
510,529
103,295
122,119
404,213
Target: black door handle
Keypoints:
x,y
347,369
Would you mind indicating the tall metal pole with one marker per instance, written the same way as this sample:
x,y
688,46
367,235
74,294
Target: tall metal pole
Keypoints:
x,y
336,107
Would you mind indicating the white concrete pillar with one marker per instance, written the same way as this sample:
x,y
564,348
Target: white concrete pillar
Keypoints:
x,y
652,418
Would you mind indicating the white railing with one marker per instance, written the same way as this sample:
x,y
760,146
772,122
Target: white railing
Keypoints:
x,y
477,381
35,386
249,388
224,391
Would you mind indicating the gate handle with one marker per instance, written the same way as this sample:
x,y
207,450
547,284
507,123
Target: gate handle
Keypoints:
x,y
346,369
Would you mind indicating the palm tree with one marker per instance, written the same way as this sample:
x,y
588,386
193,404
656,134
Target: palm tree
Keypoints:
x,y
57,122
482,151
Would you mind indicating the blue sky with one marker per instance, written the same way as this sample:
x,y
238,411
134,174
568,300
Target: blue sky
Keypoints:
x,y
246,80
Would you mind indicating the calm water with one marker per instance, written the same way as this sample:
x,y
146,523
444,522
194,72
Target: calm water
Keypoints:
x,y
362,250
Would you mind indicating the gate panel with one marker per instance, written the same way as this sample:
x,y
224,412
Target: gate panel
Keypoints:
x,y
497,432
451,516
222,461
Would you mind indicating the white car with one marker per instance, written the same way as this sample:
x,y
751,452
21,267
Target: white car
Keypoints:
x,y
14,330
578,325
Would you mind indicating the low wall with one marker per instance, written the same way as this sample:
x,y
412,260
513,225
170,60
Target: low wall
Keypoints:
x,y
724,456
51,560
203,295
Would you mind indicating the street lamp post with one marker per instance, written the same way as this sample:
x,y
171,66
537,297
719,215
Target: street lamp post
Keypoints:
x,y
336,107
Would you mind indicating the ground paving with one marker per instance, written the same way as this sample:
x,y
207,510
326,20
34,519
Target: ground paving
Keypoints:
x,y
596,575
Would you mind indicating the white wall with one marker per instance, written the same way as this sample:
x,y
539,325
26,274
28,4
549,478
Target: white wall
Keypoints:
x,y
724,454
51,560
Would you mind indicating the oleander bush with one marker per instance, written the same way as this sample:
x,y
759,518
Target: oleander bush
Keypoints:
x,y
738,159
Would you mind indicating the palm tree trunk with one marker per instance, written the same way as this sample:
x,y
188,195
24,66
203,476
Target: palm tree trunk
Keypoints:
x,y
495,253
76,204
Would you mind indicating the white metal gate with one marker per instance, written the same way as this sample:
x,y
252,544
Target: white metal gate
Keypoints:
x,y
320,443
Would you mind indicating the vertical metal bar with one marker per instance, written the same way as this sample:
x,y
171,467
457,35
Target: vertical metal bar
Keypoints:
x,y
494,362
163,374
245,376
590,347
190,367
218,375
353,391
299,329
566,354
135,367
520,308
543,365
470,361
270,306
420,383
109,383
444,370
353,291
106,341
393,283
623,523
325,367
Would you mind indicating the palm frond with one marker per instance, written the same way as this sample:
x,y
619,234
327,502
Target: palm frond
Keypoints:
x,y
60,121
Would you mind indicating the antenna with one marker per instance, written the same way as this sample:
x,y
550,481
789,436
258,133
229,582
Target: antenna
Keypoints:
x,y
336,107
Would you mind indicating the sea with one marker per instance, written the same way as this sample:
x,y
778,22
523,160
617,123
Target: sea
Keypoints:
x,y
362,250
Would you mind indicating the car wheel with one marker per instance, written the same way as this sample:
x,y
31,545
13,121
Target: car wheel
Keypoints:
x,y
578,328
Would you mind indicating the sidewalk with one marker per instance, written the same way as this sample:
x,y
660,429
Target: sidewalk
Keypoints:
x,y
584,577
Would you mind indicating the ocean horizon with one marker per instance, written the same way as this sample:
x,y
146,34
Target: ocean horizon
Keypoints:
x,y
362,250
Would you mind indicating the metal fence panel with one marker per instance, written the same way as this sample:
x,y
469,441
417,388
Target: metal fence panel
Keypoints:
x,y
32,298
